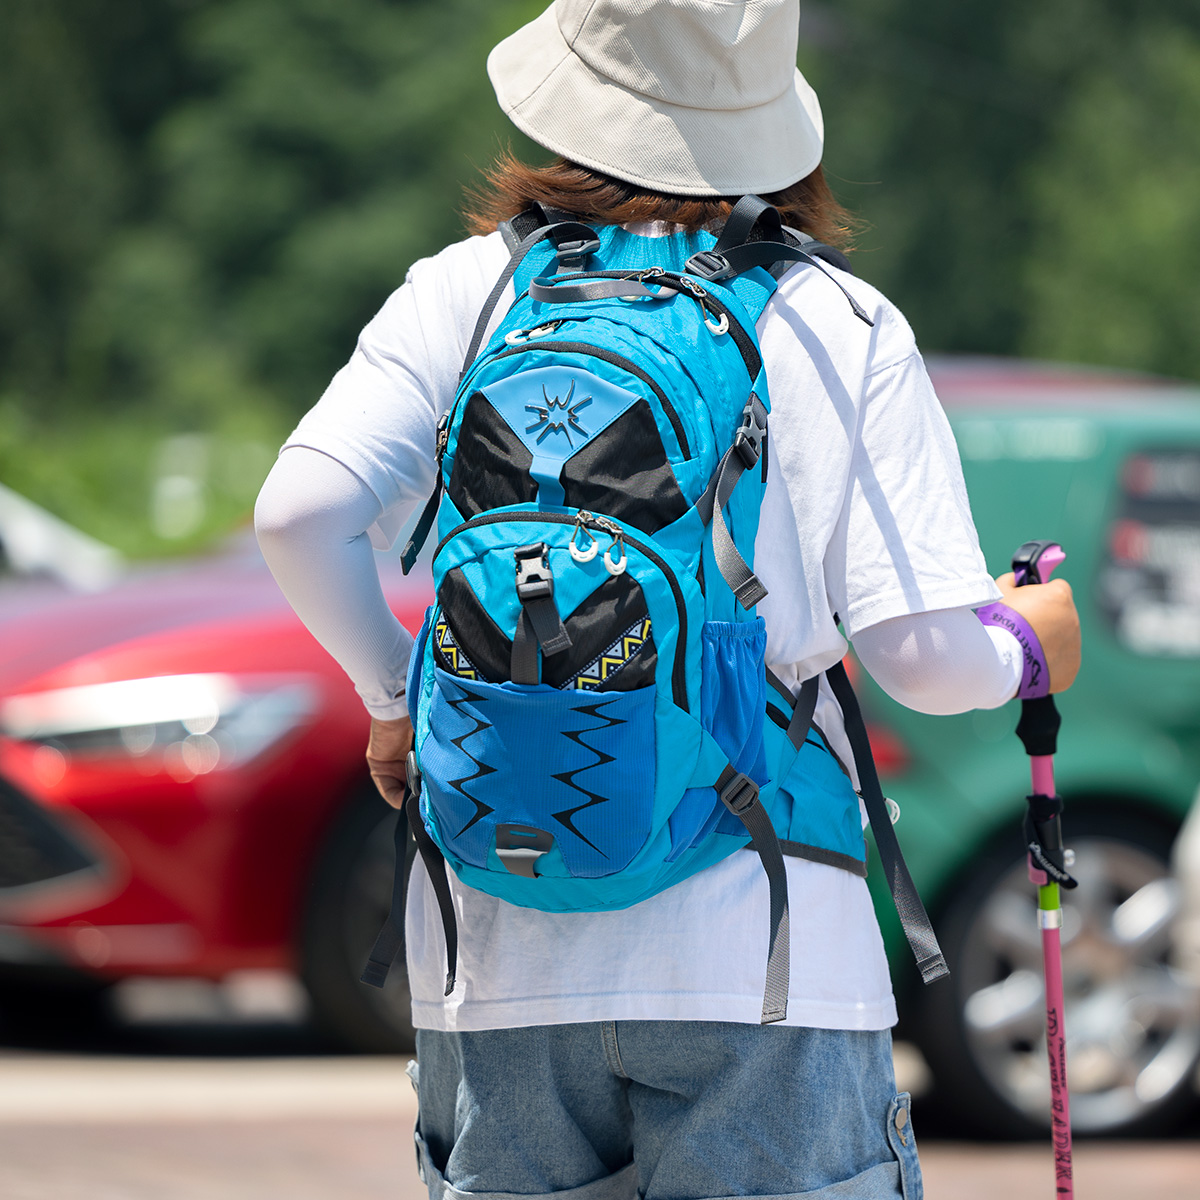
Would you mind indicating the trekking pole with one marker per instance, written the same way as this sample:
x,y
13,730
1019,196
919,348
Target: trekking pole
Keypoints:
x,y
1047,861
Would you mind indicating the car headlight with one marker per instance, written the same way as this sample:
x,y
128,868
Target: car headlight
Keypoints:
x,y
192,724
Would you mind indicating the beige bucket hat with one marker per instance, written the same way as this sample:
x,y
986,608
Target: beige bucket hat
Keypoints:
x,y
690,97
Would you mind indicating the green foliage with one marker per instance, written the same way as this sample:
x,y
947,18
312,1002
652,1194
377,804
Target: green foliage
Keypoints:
x,y
202,201
1113,271
133,483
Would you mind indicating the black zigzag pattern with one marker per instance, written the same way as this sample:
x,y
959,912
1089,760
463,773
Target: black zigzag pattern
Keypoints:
x,y
566,817
481,810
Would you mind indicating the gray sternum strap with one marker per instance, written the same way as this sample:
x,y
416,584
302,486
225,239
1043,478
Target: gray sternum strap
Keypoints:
x,y
743,455
539,622
739,794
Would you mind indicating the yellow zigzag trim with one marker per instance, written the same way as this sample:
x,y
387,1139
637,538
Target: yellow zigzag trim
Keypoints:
x,y
459,663
631,643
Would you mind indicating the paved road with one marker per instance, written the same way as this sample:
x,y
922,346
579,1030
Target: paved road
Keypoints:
x,y
94,1127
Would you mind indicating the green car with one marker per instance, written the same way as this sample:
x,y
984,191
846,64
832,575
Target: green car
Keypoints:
x,y
1108,465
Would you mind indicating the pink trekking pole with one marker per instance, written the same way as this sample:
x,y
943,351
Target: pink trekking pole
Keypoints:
x,y
1038,728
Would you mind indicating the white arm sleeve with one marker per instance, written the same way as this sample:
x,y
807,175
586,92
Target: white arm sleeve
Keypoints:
x,y
944,661
311,519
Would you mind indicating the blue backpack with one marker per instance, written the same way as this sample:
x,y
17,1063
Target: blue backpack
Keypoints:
x,y
593,717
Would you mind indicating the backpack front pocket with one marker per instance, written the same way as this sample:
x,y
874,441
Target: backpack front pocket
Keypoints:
x,y
564,774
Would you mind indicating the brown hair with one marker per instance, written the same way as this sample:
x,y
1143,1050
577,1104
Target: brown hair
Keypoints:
x,y
511,186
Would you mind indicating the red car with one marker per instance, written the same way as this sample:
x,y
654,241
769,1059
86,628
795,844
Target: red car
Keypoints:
x,y
182,792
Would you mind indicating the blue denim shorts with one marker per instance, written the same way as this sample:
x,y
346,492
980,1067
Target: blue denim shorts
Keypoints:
x,y
662,1110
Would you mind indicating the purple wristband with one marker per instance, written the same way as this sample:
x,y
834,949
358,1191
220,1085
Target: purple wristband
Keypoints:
x,y
1035,675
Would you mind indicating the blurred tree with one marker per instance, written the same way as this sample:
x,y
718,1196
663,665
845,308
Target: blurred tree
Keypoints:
x,y
81,83
965,133
62,183
1113,269
328,152
202,201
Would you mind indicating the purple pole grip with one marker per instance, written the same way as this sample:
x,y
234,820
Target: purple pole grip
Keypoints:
x,y
1035,675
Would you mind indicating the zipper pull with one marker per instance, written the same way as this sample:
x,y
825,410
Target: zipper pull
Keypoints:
x,y
616,566
586,553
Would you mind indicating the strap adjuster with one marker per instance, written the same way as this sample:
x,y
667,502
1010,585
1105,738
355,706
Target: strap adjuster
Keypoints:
x,y
740,794
709,265
572,253
749,438
534,580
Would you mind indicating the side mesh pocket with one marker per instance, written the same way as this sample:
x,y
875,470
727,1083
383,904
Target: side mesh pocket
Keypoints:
x,y
732,701
733,691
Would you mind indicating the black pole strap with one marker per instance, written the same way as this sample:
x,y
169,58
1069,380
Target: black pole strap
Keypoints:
x,y
913,917
739,794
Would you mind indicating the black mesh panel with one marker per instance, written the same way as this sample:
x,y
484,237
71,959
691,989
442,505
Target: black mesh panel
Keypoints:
x,y
614,608
623,472
491,464
476,634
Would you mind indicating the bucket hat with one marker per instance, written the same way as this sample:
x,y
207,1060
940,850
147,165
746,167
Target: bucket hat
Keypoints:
x,y
689,97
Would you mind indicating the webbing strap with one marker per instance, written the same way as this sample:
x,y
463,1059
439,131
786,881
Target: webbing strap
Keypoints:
x,y
435,867
802,714
523,662
763,254
803,706
739,794
913,918
548,627
742,455
390,942
560,231
750,215
539,614
424,524
547,291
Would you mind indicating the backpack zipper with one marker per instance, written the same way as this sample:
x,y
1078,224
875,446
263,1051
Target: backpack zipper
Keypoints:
x,y
684,283
617,361
679,668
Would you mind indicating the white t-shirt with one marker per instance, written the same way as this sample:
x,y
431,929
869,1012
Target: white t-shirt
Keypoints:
x,y
865,515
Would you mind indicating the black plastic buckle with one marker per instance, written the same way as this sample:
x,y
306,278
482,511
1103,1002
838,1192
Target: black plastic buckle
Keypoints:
x,y
740,794
412,773
709,265
534,580
572,253
749,439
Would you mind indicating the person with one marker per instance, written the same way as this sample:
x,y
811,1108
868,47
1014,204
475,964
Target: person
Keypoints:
x,y
600,1055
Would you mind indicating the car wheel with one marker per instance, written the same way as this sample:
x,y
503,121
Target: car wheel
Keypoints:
x,y
347,904
1132,1024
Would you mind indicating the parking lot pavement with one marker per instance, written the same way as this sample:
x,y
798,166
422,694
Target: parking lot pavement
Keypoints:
x,y
80,1127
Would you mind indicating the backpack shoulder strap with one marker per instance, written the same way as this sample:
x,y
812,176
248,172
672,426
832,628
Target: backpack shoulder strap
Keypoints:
x,y
915,921
573,242
754,236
